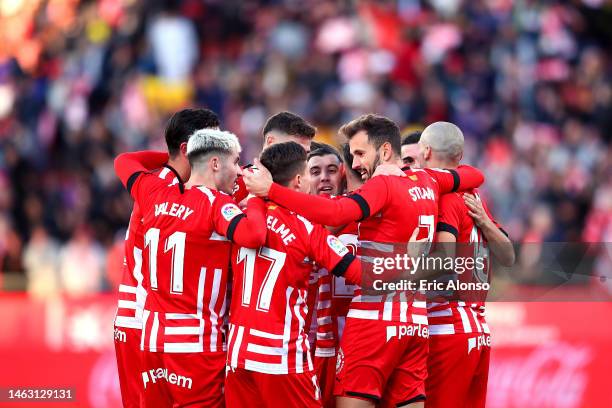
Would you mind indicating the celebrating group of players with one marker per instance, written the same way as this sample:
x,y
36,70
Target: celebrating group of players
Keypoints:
x,y
243,286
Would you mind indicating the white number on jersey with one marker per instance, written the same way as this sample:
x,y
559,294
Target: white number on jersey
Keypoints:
x,y
427,222
174,243
277,260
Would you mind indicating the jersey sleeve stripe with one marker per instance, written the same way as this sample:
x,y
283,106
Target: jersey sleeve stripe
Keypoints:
x,y
444,227
363,204
344,263
232,226
456,179
131,180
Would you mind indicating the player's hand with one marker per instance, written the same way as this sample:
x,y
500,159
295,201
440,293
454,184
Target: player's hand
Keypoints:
x,y
388,170
258,180
476,210
417,247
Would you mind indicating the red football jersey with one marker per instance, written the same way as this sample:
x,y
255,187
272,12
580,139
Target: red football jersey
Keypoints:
x,y
395,207
268,317
186,259
334,300
132,293
456,316
391,208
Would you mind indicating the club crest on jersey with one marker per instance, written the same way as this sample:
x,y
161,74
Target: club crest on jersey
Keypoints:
x,y
413,178
229,211
336,245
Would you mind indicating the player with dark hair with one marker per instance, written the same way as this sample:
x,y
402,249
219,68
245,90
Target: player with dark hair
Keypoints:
x,y
280,128
185,260
326,170
174,169
373,367
269,360
288,127
314,145
410,149
182,125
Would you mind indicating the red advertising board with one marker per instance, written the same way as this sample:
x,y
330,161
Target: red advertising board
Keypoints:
x,y
544,354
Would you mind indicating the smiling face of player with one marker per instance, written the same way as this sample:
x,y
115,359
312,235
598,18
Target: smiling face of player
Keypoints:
x,y
228,170
366,158
410,155
325,174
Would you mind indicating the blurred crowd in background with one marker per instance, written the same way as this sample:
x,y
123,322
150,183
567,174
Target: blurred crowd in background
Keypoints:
x,y
528,82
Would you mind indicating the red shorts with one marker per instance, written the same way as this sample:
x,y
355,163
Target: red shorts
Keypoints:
x,y
458,367
183,379
127,350
326,373
244,388
382,361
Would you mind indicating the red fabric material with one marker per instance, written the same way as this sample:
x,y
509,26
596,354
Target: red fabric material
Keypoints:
x,y
127,164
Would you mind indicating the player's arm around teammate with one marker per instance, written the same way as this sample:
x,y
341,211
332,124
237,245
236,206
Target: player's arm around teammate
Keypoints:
x,y
499,243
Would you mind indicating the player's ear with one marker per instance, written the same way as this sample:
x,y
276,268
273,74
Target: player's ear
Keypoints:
x,y
183,149
269,141
214,163
387,151
427,153
300,183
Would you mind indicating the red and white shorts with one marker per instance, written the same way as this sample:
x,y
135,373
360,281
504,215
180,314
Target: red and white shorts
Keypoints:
x,y
183,379
458,366
244,388
382,361
129,356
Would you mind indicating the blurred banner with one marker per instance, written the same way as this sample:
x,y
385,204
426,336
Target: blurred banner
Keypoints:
x,y
544,354
553,355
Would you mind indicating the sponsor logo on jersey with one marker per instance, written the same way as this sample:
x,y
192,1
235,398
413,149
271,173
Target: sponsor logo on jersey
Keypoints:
x,y
120,336
336,245
156,374
479,342
407,330
229,211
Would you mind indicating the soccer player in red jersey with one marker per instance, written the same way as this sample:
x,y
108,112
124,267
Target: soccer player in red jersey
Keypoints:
x,y
280,128
410,150
374,366
132,293
459,343
326,170
269,360
186,257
